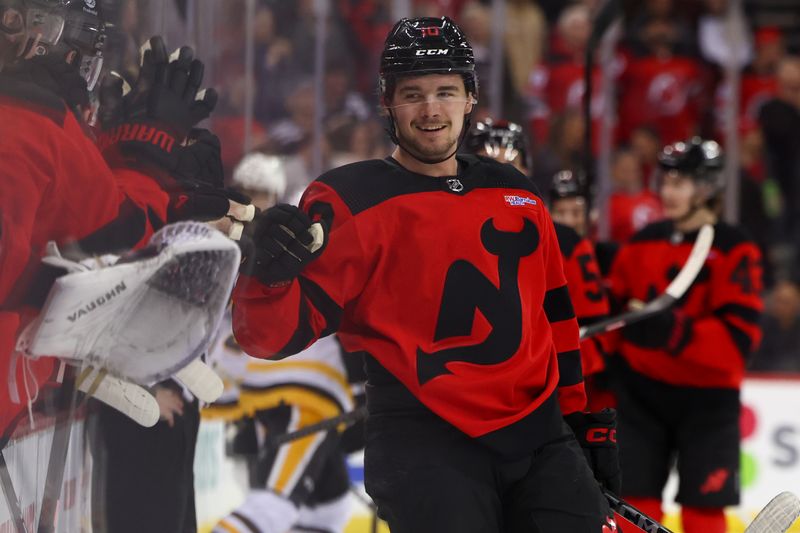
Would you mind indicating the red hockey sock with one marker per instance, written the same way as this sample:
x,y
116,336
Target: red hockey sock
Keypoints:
x,y
698,520
649,506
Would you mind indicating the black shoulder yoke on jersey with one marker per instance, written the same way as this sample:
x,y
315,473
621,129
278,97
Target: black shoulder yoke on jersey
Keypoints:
x,y
568,239
366,184
23,93
726,236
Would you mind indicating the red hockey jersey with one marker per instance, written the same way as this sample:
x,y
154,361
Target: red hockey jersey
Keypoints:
x,y
585,291
724,303
454,286
55,185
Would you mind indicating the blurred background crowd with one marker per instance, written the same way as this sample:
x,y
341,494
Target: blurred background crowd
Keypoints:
x,y
298,81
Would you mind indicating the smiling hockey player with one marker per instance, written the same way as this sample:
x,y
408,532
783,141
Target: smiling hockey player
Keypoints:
x,y
680,391
445,269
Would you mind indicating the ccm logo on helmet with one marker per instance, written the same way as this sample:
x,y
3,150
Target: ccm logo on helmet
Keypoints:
x,y
601,435
433,52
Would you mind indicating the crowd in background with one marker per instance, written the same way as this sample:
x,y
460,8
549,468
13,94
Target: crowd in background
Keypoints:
x,y
668,77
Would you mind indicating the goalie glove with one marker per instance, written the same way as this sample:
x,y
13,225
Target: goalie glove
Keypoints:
x,y
283,242
597,435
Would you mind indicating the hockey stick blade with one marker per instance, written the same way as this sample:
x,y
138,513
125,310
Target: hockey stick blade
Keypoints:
x,y
634,515
778,515
674,292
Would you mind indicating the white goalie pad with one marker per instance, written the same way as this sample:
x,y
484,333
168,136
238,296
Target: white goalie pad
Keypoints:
x,y
147,316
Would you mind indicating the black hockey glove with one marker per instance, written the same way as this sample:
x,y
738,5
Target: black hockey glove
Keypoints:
x,y
597,435
282,243
198,191
54,74
154,117
670,330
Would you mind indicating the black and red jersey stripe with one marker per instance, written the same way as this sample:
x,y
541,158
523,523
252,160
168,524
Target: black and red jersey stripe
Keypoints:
x,y
586,292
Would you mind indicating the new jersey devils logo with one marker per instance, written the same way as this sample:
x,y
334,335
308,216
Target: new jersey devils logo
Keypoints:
x,y
467,289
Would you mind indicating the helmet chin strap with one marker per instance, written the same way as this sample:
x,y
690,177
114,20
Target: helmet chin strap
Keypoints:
x,y
428,161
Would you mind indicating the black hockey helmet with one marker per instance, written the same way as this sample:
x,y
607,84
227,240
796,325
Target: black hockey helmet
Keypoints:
x,y
697,157
566,184
84,38
499,138
426,45
39,22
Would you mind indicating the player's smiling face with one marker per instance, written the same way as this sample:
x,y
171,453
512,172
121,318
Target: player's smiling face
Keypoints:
x,y
429,113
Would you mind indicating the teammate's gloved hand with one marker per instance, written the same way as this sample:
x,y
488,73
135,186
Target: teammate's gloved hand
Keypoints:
x,y
283,242
153,117
198,191
670,330
53,73
597,435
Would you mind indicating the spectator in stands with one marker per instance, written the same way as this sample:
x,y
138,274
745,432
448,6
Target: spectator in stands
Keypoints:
x,y
757,193
646,143
631,207
303,29
274,68
780,121
780,347
564,151
719,46
759,83
343,105
369,21
558,84
525,38
229,125
660,10
357,142
476,21
662,87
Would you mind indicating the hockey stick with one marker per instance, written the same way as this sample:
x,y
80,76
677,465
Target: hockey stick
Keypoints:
x,y
58,452
778,515
605,17
674,292
12,500
325,425
633,515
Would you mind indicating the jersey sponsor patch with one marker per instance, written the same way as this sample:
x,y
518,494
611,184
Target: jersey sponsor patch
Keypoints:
x,y
514,200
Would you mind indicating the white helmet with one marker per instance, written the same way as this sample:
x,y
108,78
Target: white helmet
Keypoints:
x,y
262,172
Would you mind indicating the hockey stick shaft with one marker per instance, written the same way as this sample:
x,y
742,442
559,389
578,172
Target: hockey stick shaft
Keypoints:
x,y
58,452
12,500
605,17
324,425
674,292
634,515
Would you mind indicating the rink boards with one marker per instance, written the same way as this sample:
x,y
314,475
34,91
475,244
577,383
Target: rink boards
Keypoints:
x,y
770,464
